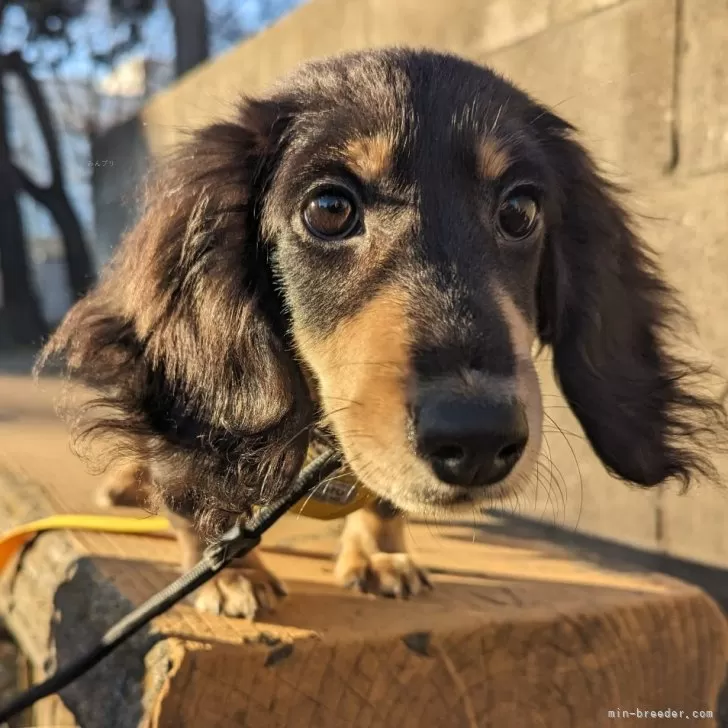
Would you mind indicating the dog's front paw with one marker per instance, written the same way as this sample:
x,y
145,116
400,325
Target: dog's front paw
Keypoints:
x,y
241,592
389,575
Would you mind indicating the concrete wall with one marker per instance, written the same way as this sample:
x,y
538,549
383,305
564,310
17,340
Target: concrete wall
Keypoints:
x,y
646,81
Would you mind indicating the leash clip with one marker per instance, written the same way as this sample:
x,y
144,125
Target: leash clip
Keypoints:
x,y
234,543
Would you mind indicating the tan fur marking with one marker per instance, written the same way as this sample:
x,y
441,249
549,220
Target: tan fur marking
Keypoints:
x,y
368,532
528,389
126,485
362,370
493,160
522,333
374,557
371,157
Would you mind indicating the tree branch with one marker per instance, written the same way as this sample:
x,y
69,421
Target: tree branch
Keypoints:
x,y
21,181
190,33
13,62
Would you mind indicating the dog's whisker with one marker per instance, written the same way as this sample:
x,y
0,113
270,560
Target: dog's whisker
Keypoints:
x,y
549,461
558,482
388,365
562,431
578,468
547,489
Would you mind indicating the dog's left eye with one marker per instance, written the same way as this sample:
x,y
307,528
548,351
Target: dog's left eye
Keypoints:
x,y
331,215
518,214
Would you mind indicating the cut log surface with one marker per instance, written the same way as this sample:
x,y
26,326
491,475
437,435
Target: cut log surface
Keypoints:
x,y
516,633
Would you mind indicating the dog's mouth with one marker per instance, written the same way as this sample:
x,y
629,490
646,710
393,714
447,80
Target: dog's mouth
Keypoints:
x,y
441,498
410,483
422,493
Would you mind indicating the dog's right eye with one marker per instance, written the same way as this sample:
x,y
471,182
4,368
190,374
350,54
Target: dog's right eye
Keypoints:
x,y
331,215
518,213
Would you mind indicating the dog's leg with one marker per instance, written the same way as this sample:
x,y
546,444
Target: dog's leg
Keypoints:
x,y
245,588
373,556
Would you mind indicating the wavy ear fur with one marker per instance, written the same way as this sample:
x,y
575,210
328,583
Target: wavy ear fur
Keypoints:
x,y
611,319
184,340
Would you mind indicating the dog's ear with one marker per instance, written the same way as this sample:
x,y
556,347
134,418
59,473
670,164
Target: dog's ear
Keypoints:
x,y
184,338
612,321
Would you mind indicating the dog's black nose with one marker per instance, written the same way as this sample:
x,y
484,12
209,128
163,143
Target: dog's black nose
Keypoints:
x,y
469,441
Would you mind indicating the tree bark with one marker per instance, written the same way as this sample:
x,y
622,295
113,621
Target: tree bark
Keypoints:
x,y
21,319
79,267
191,34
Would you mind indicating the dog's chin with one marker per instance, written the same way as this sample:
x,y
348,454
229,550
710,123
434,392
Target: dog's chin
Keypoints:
x,y
410,485
431,497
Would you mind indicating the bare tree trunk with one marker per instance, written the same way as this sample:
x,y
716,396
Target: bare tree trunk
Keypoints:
x,y
21,320
78,261
190,32
54,199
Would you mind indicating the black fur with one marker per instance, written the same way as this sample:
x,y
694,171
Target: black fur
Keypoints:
x,y
187,341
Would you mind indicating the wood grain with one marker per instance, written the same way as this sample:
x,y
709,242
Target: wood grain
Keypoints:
x,y
515,633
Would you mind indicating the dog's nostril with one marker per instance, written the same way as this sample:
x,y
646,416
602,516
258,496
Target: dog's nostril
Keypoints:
x,y
512,451
448,453
471,441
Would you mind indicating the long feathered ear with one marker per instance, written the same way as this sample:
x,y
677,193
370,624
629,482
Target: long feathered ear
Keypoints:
x,y
184,339
612,321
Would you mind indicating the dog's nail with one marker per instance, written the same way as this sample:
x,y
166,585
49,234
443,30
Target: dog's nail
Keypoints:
x,y
262,597
362,584
404,588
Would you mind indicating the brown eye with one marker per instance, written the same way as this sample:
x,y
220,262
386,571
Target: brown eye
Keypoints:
x,y
331,215
518,214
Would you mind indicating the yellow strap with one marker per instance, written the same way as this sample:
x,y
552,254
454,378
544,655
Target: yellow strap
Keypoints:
x,y
322,508
339,496
12,540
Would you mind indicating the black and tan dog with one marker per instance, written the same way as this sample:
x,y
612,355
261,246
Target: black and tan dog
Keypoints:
x,y
376,248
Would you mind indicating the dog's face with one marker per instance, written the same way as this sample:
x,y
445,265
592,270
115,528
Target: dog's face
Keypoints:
x,y
379,245
407,223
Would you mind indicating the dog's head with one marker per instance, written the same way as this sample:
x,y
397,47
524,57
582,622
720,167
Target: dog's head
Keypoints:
x,y
379,245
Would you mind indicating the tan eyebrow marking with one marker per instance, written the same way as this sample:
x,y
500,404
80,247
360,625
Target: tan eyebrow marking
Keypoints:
x,y
371,156
493,160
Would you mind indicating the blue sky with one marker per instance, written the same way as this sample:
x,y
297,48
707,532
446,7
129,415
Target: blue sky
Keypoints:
x,y
95,31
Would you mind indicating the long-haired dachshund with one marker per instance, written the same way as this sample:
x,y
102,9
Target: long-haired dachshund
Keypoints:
x,y
376,248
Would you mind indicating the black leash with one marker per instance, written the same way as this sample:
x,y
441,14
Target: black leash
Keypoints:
x,y
236,542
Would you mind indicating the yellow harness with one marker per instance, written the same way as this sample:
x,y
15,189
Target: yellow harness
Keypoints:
x,y
336,497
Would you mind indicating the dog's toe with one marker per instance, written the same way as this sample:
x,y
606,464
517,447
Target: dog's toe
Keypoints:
x,y
389,575
244,593
398,576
